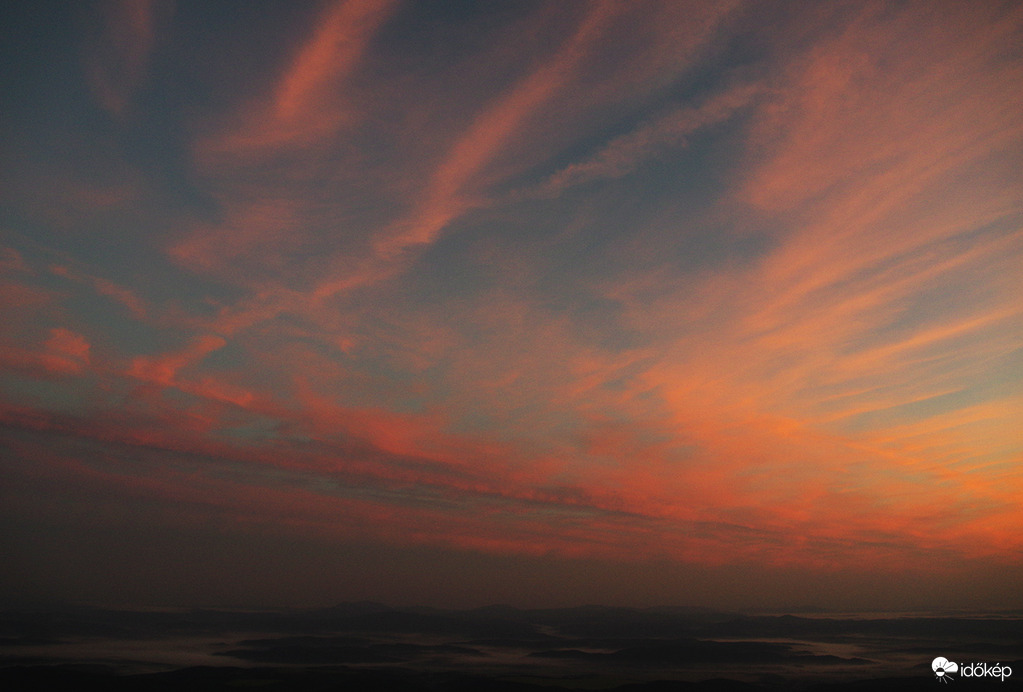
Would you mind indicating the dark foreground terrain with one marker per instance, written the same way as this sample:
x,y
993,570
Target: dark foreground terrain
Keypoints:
x,y
317,680
368,646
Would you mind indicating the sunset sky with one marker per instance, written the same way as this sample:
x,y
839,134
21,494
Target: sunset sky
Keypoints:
x,y
543,303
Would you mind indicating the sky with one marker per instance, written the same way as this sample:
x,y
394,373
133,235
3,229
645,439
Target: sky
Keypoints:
x,y
542,303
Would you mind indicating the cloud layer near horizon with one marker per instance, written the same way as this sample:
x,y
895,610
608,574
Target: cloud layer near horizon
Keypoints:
x,y
710,283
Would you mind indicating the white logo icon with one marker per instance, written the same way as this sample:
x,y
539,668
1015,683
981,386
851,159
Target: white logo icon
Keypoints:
x,y
943,668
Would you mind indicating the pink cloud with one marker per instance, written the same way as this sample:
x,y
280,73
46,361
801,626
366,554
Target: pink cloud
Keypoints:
x,y
826,399
62,353
794,378
163,369
330,54
307,105
444,197
64,343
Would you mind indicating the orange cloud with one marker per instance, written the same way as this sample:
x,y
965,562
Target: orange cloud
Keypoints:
x,y
163,369
63,353
331,53
68,346
843,393
833,382
268,219
307,103
444,197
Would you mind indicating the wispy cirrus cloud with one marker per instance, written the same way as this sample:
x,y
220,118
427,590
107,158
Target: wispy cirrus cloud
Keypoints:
x,y
883,292
306,102
756,300
625,153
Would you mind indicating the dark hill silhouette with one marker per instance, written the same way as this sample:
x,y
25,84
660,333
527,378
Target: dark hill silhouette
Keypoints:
x,y
367,645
